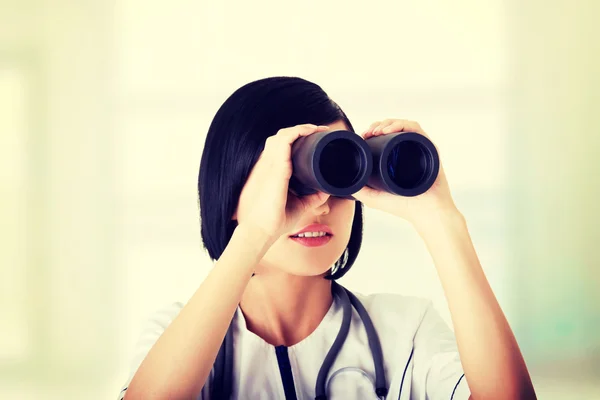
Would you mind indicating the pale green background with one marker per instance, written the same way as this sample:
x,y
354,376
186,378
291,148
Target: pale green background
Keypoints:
x,y
103,111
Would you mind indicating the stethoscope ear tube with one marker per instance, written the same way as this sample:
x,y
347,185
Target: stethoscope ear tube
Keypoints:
x,y
348,301
380,383
341,162
320,388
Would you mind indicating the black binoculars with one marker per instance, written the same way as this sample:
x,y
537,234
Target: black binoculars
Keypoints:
x,y
340,163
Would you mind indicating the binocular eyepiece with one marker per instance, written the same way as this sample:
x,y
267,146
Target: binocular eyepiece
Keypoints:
x,y
340,163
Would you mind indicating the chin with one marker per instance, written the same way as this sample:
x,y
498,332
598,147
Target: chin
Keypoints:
x,y
310,266
304,261
313,272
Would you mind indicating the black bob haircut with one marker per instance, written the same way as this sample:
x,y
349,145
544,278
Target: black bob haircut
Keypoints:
x,y
235,139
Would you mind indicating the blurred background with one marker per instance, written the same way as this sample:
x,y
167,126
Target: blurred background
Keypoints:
x,y
104,108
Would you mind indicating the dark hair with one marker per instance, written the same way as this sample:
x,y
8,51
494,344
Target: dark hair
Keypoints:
x,y
235,140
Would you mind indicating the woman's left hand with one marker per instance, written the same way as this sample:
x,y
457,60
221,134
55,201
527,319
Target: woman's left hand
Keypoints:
x,y
413,209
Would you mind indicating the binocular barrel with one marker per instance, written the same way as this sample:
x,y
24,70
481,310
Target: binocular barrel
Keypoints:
x,y
340,163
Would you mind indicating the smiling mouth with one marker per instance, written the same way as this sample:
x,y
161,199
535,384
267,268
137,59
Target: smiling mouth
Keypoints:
x,y
312,241
311,237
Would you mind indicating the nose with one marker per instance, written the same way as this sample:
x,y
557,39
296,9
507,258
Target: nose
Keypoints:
x,y
322,208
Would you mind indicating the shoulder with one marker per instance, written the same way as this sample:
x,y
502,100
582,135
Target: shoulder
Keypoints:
x,y
395,312
153,326
162,318
396,305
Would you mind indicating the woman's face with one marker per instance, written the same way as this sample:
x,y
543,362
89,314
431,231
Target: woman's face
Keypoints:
x,y
290,256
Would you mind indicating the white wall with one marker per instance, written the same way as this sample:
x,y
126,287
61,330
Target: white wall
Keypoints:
x,y
103,111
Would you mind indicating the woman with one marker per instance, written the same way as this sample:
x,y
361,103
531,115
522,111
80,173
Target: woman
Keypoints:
x,y
277,290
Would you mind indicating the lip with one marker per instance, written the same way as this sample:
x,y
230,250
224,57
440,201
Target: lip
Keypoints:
x,y
312,241
314,228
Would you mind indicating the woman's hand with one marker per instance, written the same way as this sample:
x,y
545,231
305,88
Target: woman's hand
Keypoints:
x,y
265,202
413,209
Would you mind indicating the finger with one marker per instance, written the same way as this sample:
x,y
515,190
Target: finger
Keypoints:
x,y
365,195
403,125
289,135
369,131
385,123
279,145
315,200
301,204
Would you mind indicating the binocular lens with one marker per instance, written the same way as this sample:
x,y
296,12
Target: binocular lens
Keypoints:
x,y
341,163
405,164
335,162
408,164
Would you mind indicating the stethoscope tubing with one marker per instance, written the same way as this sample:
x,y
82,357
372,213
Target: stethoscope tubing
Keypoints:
x,y
222,383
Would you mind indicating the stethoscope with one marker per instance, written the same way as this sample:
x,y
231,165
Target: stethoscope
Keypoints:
x,y
221,386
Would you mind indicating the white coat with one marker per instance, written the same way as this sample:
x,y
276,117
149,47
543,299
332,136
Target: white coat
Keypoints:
x,y
420,355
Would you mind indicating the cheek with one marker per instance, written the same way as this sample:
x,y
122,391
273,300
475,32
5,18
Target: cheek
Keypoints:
x,y
343,214
298,260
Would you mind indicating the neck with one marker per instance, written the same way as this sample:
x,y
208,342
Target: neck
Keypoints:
x,y
284,309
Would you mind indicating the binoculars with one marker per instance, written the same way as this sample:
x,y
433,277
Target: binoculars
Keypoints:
x,y
341,162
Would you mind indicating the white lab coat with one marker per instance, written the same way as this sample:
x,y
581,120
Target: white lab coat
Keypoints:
x,y
419,351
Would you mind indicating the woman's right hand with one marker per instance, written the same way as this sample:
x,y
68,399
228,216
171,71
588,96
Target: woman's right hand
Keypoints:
x,y
265,202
